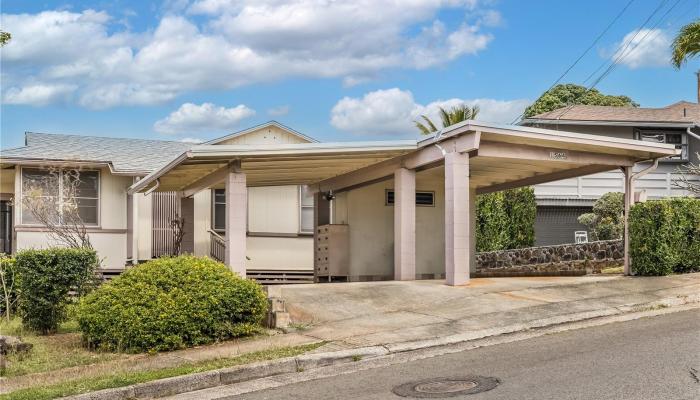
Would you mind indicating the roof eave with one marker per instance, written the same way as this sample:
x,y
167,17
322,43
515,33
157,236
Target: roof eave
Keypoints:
x,y
650,124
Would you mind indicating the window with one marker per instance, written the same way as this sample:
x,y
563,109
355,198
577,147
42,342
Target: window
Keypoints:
x,y
306,210
218,219
422,198
677,138
63,191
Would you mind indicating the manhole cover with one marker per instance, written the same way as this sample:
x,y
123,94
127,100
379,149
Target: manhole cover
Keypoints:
x,y
436,388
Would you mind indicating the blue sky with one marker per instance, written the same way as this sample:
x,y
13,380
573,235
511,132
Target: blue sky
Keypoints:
x,y
195,70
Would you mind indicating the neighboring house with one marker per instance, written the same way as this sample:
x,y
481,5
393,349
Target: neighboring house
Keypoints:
x,y
126,228
561,202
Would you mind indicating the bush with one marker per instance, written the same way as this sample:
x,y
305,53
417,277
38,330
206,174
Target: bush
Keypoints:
x,y
8,286
171,303
606,221
45,280
665,236
506,220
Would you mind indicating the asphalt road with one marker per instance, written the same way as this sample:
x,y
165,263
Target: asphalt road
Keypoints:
x,y
649,358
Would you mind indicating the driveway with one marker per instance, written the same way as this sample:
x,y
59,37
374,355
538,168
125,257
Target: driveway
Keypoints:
x,y
378,313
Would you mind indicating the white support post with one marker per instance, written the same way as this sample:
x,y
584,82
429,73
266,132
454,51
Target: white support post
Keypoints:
x,y
404,224
236,220
628,202
458,246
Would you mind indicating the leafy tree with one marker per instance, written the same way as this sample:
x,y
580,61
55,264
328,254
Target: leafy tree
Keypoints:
x,y
606,221
686,44
506,219
449,117
688,178
4,38
568,94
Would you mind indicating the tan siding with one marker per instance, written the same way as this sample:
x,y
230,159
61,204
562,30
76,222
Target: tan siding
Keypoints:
x,y
267,135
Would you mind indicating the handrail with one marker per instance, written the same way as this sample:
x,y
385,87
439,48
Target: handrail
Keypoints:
x,y
216,235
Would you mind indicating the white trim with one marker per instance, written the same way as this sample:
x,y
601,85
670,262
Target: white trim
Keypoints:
x,y
652,124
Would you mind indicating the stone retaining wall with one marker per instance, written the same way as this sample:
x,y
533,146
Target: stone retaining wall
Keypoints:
x,y
564,259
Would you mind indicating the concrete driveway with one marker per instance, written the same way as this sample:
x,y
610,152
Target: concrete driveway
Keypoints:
x,y
377,313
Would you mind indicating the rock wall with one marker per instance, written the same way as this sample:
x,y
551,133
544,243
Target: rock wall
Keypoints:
x,y
564,259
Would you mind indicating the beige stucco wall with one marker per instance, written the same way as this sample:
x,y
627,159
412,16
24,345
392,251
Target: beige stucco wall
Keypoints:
x,y
109,243
371,225
280,253
144,225
7,181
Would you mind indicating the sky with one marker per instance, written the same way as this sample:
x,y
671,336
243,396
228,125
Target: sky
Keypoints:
x,y
194,70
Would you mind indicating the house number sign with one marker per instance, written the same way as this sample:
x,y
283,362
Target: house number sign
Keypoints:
x,y
557,155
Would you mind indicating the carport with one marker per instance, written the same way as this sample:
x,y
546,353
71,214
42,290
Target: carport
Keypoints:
x,y
476,158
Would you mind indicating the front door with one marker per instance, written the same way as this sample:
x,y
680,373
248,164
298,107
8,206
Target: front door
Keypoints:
x,y
5,226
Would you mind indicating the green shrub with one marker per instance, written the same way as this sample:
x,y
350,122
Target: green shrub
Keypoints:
x,y
505,220
8,286
665,236
606,220
46,278
171,303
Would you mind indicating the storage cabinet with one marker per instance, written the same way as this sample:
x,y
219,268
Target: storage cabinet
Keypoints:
x,y
331,252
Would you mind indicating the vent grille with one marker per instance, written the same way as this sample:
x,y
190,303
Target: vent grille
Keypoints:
x,y
423,198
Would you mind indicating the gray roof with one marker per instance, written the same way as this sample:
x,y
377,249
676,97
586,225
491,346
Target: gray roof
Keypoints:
x,y
137,156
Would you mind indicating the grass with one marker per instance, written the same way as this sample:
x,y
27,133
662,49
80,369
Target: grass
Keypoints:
x,y
50,352
119,379
612,270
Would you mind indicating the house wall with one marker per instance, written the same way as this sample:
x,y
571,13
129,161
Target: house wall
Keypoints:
x,y
267,135
371,227
108,239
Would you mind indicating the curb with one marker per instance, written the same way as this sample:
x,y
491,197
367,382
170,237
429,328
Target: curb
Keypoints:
x,y
205,380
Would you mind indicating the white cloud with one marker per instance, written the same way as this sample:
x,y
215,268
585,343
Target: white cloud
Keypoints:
x,y
207,117
278,111
393,112
38,95
222,44
644,48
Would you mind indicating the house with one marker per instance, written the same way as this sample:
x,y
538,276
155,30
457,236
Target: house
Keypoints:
x,y
560,203
271,198
127,229
401,209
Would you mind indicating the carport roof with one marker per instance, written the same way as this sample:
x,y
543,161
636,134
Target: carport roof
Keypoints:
x,y
501,156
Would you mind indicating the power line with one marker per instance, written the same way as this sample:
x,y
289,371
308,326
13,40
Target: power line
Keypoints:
x,y
597,39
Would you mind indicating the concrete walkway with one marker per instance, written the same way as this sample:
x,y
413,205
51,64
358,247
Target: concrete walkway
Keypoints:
x,y
382,313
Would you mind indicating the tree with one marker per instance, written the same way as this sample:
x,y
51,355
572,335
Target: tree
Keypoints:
x,y
606,221
4,38
564,95
686,44
506,219
449,117
684,180
177,225
63,220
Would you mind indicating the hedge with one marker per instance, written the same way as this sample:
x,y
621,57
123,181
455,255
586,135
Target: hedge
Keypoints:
x,y
506,219
665,236
45,280
171,303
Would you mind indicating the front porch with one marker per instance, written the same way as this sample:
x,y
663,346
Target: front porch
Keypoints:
x,y
402,241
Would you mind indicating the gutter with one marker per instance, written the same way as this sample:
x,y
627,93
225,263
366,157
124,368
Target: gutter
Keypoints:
x,y
691,133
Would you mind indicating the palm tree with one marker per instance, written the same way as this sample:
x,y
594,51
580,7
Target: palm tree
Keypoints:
x,y
686,44
454,115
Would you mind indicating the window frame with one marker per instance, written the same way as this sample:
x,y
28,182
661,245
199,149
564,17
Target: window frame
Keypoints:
x,y
388,204
213,211
97,224
301,208
684,145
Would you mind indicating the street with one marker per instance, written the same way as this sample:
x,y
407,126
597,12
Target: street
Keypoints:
x,y
649,358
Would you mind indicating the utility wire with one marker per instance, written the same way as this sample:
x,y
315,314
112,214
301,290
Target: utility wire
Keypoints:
x,y
597,39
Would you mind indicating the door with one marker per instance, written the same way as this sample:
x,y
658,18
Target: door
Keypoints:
x,y
5,226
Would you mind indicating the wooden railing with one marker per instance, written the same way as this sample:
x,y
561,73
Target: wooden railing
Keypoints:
x,y
217,247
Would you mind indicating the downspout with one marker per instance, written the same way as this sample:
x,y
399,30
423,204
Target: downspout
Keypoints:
x,y
691,133
153,189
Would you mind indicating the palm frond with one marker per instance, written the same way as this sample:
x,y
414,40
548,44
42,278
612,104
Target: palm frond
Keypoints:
x,y
686,45
445,117
428,128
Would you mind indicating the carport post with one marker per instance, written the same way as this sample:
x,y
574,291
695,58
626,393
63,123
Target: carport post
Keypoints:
x,y
458,209
628,201
404,224
236,219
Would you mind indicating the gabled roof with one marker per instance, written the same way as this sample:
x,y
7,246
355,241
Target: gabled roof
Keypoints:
x,y
678,114
263,126
125,156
